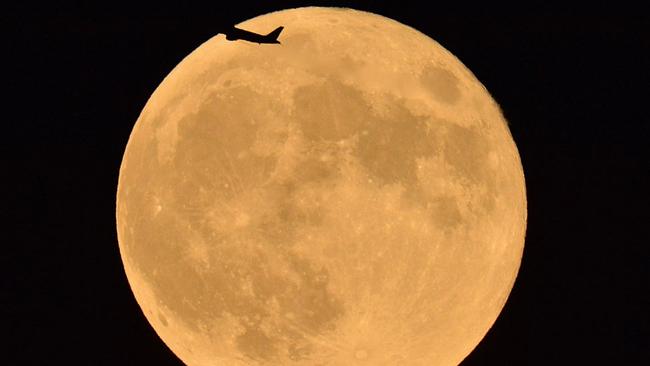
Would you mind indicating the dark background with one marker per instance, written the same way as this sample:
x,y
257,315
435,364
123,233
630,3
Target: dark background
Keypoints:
x,y
574,88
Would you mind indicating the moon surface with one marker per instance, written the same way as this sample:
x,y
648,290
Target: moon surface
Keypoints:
x,y
352,196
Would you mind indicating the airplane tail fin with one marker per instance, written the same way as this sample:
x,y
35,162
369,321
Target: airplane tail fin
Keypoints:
x,y
274,35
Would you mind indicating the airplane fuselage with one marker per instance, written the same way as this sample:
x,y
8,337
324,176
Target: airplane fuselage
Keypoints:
x,y
234,34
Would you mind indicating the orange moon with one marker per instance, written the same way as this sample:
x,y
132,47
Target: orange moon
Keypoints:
x,y
352,196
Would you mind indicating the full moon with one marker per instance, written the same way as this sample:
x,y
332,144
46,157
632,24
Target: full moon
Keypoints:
x,y
351,196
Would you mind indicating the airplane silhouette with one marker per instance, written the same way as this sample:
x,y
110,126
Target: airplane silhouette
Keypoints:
x,y
234,34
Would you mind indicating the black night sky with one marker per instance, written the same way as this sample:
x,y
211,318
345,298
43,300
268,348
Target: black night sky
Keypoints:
x,y
573,87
